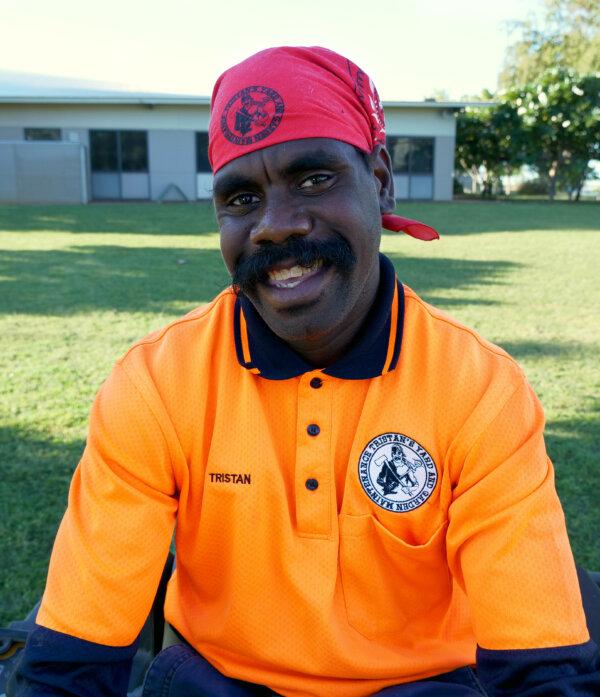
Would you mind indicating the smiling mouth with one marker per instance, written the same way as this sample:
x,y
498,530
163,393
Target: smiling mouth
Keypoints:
x,y
294,276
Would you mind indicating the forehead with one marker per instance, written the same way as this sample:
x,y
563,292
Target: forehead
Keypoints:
x,y
288,158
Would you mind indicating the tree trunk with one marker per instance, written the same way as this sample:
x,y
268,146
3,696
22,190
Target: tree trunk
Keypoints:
x,y
553,178
581,182
472,172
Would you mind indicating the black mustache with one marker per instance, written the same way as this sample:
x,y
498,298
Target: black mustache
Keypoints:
x,y
252,270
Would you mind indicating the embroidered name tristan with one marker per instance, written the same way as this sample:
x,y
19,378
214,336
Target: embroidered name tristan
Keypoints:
x,y
229,478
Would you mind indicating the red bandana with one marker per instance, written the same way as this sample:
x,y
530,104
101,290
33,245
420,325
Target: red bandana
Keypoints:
x,y
289,93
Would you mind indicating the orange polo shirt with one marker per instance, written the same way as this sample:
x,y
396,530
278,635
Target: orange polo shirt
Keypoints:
x,y
338,530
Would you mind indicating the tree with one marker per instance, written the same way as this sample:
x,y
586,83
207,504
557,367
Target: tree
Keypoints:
x,y
489,143
573,176
560,113
568,38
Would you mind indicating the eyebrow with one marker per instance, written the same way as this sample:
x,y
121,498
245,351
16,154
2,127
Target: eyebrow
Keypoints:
x,y
318,159
229,183
311,160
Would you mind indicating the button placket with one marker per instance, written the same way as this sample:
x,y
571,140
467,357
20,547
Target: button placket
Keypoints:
x,y
314,473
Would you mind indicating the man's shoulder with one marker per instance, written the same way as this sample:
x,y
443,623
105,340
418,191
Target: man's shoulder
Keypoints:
x,y
429,325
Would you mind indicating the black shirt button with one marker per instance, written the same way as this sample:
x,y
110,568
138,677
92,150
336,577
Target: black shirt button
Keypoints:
x,y
311,484
313,430
316,383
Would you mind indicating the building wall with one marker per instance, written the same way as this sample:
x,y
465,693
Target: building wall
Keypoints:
x,y
106,116
204,185
11,132
443,168
428,122
172,161
39,172
419,121
171,133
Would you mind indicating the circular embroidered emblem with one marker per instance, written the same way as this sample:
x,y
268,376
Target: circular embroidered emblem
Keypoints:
x,y
251,115
396,472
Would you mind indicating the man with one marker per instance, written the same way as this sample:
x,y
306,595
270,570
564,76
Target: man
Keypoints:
x,y
262,423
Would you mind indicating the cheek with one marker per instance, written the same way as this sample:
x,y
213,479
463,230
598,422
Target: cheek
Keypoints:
x,y
233,240
229,251
368,241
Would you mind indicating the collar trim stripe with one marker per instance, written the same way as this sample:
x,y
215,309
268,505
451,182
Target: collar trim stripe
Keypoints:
x,y
393,331
398,334
244,336
240,335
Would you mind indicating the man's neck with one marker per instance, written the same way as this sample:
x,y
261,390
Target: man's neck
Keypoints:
x,y
323,351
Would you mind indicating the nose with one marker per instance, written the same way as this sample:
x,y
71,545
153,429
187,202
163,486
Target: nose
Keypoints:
x,y
280,217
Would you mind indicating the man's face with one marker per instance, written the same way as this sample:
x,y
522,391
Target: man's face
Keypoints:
x,y
300,229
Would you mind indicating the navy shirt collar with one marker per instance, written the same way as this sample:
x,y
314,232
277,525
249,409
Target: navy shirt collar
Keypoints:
x,y
375,351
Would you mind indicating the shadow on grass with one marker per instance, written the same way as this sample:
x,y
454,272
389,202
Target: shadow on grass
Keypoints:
x,y
129,218
540,349
36,471
448,217
430,275
90,278
466,218
573,446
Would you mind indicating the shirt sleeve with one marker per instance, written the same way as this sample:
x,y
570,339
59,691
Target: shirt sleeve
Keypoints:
x,y
507,541
508,548
114,539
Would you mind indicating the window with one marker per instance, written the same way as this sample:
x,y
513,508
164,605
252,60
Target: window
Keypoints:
x,y
104,151
400,152
411,155
119,151
202,163
134,151
421,156
42,134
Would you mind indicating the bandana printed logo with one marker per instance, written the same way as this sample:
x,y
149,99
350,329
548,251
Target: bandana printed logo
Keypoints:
x,y
397,473
251,115
368,95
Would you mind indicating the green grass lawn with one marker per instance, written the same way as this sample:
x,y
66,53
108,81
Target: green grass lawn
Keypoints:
x,y
79,284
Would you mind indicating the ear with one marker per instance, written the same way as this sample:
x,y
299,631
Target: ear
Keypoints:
x,y
381,165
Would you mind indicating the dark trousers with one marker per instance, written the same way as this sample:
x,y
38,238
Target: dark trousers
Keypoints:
x,y
179,671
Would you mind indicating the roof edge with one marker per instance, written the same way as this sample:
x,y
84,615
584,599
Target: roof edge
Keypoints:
x,y
190,100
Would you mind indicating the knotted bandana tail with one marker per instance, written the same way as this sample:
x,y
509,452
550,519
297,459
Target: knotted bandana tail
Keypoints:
x,y
414,228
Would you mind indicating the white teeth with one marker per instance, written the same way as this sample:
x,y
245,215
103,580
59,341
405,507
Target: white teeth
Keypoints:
x,y
291,284
295,272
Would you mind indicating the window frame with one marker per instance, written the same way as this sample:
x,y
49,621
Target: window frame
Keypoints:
x,y
202,161
118,161
28,134
410,170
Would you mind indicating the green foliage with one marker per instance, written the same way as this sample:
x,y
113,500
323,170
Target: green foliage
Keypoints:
x,y
551,123
574,173
489,142
569,37
560,114
533,187
552,71
457,187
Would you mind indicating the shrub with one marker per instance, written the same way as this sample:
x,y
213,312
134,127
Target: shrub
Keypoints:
x,y
457,187
533,187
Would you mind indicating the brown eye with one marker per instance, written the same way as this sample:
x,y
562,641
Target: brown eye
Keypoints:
x,y
244,200
313,180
